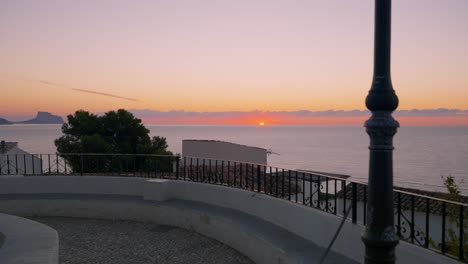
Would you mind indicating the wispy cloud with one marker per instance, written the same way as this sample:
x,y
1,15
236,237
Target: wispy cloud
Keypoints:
x,y
86,91
300,113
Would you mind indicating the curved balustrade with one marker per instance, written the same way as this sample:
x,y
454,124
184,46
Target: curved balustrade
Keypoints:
x,y
431,222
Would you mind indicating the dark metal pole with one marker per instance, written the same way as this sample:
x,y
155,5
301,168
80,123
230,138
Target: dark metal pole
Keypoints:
x,y
379,237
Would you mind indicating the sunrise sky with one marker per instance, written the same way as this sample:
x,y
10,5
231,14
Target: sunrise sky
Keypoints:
x,y
241,59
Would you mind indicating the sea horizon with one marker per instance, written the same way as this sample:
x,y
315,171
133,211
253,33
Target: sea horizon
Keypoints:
x,y
422,154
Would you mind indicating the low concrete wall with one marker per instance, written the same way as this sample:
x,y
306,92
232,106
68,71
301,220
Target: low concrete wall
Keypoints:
x,y
27,241
311,224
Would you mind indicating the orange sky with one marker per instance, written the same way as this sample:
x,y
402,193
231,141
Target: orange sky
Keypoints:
x,y
215,55
314,120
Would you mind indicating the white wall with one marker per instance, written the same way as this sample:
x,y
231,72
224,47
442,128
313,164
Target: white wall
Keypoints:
x,y
18,161
221,150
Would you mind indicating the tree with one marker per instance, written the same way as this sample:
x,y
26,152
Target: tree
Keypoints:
x,y
452,243
115,132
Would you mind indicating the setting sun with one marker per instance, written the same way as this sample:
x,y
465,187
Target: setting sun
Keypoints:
x,y
261,124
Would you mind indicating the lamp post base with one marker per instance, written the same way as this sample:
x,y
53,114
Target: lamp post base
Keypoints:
x,y
381,252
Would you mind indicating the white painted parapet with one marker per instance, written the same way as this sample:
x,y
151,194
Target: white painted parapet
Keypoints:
x,y
236,217
221,150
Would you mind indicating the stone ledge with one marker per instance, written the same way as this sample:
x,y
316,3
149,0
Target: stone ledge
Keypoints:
x,y
261,241
310,224
27,242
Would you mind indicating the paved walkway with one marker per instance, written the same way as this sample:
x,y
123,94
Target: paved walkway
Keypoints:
x,y
94,241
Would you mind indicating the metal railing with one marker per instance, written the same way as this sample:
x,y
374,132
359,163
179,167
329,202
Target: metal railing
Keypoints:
x,y
431,222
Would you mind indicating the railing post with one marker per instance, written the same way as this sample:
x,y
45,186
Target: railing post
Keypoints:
x,y
119,164
335,199
185,168
8,164
209,170
191,169
56,159
240,175
282,184
412,225
399,214
203,171
48,159
379,237
24,165
303,188
442,246
97,164
246,176
16,164
198,170
177,167
297,187
40,158
428,211
343,186
222,172
228,173
32,162
235,174
354,202
271,180
311,191
364,211
319,184
65,165
461,252
216,171
252,178
82,163
276,181
289,185
259,186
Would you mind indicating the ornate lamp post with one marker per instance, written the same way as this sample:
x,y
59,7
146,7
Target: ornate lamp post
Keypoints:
x,y
379,237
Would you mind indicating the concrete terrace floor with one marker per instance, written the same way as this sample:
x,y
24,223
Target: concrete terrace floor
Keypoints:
x,y
86,241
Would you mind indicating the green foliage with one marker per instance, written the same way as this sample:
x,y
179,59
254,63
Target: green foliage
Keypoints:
x,y
116,132
452,242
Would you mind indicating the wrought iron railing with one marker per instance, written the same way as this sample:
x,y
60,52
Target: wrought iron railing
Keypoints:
x,y
431,222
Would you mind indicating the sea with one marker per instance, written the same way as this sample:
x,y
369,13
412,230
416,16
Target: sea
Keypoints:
x,y
422,155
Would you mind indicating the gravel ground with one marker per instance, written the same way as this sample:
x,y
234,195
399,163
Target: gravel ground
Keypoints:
x,y
93,241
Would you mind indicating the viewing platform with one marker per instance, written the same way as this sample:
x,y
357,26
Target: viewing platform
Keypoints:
x,y
269,214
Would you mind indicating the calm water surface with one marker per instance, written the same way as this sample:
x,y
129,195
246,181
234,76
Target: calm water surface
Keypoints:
x,y
422,154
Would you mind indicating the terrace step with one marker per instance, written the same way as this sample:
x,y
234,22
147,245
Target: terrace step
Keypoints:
x,y
27,242
258,239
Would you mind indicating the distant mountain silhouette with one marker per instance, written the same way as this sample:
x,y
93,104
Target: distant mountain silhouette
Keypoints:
x,y
44,118
41,118
3,121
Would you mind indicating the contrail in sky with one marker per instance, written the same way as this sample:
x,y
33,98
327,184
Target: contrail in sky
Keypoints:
x,y
81,90
105,94
89,91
